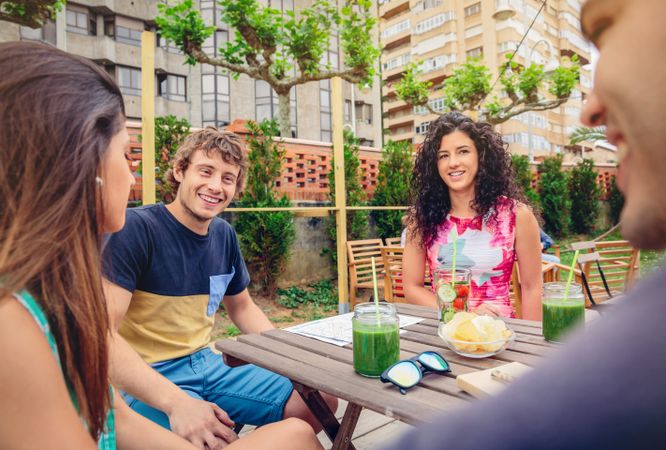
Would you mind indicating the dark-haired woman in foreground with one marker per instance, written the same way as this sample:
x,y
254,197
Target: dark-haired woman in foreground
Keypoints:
x,y
464,190
64,182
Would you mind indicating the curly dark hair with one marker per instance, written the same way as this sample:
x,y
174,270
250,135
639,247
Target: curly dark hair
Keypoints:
x,y
430,195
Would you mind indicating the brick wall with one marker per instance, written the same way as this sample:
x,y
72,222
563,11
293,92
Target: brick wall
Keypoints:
x,y
304,171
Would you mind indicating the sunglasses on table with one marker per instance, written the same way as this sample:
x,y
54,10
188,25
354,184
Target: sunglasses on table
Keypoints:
x,y
408,373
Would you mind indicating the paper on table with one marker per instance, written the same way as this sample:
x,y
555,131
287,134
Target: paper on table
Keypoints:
x,y
337,330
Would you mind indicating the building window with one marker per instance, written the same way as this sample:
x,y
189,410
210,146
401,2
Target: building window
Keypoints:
x,y
129,80
473,31
363,113
395,29
80,21
215,89
215,100
166,45
128,35
422,128
433,22
215,42
325,118
473,9
171,87
47,33
474,53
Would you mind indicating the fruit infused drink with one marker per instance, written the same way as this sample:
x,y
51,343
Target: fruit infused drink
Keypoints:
x,y
452,290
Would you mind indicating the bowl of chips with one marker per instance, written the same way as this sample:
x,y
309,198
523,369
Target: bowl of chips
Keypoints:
x,y
474,336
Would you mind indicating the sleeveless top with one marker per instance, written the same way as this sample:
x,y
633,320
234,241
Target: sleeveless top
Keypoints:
x,y
486,247
107,441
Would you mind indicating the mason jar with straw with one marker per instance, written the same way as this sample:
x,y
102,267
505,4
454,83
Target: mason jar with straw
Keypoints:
x,y
376,335
563,306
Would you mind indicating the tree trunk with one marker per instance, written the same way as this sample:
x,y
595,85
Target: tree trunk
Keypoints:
x,y
284,117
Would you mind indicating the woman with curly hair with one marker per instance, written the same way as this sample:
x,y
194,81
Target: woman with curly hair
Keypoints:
x,y
464,191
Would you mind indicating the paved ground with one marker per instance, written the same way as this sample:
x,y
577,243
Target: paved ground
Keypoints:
x,y
372,431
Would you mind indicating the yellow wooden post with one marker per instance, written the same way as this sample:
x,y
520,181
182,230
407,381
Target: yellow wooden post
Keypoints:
x,y
340,195
148,116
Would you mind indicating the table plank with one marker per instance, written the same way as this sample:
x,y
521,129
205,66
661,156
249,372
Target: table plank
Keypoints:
x,y
444,384
458,364
417,406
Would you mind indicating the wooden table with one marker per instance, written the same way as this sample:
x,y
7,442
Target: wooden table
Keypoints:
x,y
315,366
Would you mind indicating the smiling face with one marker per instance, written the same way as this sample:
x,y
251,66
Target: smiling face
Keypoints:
x,y
628,98
207,186
458,162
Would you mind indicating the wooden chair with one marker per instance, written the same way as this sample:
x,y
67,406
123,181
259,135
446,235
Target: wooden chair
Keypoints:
x,y
393,269
360,254
393,288
392,242
606,268
549,273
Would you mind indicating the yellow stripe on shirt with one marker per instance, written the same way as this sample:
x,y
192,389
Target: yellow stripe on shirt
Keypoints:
x,y
161,327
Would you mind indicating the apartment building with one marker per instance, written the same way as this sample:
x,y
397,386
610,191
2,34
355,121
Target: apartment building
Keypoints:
x,y
441,34
109,33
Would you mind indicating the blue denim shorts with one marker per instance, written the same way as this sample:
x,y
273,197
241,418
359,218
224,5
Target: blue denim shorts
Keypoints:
x,y
249,394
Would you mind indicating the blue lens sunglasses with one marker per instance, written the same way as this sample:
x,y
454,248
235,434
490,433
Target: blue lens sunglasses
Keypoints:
x,y
407,373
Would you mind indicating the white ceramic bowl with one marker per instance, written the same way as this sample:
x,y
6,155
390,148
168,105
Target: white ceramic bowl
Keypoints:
x,y
478,349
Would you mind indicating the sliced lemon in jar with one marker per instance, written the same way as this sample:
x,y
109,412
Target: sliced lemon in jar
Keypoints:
x,y
446,292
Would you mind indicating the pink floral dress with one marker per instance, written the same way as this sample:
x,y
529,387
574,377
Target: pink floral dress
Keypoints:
x,y
485,247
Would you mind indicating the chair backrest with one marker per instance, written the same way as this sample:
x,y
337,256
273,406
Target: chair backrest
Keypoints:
x,y
360,254
549,273
392,242
616,262
393,286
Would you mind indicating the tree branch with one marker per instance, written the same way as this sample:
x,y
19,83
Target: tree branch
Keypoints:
x,y
506,113
201,57
353,75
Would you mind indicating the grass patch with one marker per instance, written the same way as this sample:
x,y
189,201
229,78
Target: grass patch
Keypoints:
x,y
321,294
231,331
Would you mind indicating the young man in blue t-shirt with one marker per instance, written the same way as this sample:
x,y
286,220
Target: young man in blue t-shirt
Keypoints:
x,y
167,272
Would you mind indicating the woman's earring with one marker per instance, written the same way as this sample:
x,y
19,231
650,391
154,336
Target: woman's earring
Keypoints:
x,y
99,181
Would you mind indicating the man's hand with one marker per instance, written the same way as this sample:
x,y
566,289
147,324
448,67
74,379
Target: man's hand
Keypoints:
x,y
204,424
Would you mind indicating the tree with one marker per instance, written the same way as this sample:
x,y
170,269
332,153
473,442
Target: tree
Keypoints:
x,y
395,171
615,200
30,13
265,237
357,221
582,134
523,173
282,49
469,85
584,194
170,132
554,197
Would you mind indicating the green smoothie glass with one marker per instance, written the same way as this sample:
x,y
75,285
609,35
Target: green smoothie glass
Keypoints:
x,y
376,338
560,315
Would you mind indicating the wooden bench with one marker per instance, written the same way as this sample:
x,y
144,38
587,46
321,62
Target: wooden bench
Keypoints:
x,y
360,254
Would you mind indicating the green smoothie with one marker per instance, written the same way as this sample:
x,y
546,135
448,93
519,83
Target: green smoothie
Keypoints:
x,y
376,347
560,316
